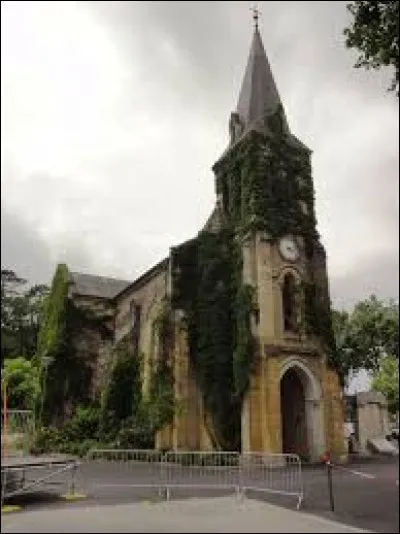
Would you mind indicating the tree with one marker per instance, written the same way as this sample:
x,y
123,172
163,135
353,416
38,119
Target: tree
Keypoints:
x,y
12,305
374,32
366,335
21,311
386,380
22,383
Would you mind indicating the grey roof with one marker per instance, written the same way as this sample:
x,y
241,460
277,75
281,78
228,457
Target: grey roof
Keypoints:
x,y
258,96
96,286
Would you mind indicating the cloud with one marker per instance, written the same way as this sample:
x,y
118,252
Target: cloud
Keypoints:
x,y
114,112
23,251
372,275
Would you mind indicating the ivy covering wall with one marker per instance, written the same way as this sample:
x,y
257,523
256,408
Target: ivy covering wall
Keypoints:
x,y
53,349
265,184
160,399
207,286
65,374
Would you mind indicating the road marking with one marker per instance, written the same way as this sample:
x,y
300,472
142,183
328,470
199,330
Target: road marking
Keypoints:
x,y
8,508
357,473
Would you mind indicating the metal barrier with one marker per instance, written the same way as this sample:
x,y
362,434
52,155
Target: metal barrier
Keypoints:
x,y
272,473
259,472
211,470
16,432
141,468
21,475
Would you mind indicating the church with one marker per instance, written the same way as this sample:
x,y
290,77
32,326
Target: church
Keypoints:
x,y
249,336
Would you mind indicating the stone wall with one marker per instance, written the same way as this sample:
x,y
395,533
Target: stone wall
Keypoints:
x,y
372,418
264,269
149,295
93,341
189,429
261,416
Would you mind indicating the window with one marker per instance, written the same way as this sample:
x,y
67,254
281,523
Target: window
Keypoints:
x,y
289,303
135,324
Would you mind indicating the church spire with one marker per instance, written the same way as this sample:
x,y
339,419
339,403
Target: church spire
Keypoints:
x,y
258,95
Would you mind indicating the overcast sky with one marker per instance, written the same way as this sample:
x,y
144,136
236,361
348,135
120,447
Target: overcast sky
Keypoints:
x,y
112,114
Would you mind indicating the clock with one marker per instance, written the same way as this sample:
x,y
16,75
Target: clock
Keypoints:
x,y
289,249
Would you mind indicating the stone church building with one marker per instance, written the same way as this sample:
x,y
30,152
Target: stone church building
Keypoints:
x,y
293,402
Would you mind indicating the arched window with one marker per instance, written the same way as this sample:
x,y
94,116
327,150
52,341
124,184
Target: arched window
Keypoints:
x,y
289,303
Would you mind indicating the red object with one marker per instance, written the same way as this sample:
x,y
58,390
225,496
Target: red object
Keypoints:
x,y
326,458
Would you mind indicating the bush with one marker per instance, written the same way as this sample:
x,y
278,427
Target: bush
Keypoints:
x,y
47,439
83,426
135,433
76,437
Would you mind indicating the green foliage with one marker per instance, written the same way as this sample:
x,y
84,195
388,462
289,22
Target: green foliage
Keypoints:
x,y
386,380
366,335
207,285
123,392
20,315
53,440
52,336
127,418
265,184
374,33
66,375
160,402
83,425
21,377
319,320
53,351
245,343
76,436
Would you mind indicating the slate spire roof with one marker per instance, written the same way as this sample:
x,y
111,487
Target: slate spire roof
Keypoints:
x,y
258,95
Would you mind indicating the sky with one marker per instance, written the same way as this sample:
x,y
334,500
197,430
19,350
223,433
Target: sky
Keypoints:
x,y
113,113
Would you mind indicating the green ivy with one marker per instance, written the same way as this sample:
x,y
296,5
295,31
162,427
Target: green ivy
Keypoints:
x,y
266,186
207,285
123,393
161,404
54,343
262,183
243,355
68,376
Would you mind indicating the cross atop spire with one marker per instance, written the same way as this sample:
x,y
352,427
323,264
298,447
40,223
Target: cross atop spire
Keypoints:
x,y
258,95
256,14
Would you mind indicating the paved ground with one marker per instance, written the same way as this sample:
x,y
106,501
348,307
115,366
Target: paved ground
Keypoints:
x,y
365,496
223,514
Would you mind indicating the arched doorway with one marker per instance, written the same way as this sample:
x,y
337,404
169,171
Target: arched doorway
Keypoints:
x,y
293,414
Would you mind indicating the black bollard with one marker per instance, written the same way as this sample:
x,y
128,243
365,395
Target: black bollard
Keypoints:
x,y
330,485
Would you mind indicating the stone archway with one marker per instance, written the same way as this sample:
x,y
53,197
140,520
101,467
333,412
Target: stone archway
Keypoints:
x,y
293,414
302,418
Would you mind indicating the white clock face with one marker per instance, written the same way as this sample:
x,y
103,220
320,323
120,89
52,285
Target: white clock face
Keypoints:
x,y
289,249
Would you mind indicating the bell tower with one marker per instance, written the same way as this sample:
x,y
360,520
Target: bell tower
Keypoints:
x,y
265,193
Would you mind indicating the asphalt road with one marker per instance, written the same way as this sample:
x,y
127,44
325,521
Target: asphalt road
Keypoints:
x,y
222,514
366,495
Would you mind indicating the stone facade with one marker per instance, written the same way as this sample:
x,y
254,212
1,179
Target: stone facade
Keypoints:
x,y
93,344
316,421
372,418
143,297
